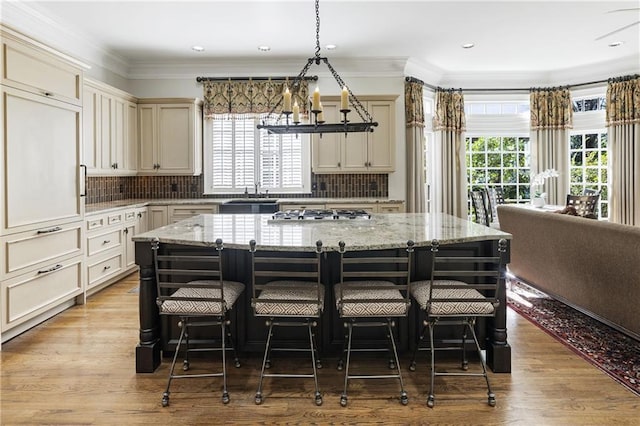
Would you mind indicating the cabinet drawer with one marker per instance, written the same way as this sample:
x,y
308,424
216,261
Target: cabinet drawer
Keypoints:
x,y
104,269
130,216
369,208
96,223
285,207
29,68
390,208
103,242
177,213
114,218
31,294
31,249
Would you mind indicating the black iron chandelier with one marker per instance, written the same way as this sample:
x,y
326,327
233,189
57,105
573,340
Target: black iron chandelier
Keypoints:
x,y
288,121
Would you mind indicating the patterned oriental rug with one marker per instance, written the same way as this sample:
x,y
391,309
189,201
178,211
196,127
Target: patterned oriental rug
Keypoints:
x,y
606,348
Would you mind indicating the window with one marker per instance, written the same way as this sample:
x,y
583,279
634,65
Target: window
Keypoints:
x,y
499,160
588,167
497,144
238,157
588,146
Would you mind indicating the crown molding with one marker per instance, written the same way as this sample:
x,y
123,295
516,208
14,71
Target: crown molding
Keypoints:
x,y
352,67
26,18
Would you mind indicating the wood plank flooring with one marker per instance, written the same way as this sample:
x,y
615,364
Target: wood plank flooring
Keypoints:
x,y
79,368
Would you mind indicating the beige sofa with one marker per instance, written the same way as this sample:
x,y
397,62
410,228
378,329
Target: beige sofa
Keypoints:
x,y
591,265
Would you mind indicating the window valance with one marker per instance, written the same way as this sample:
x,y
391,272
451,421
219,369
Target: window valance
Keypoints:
x,y
623,101
251,96
551,109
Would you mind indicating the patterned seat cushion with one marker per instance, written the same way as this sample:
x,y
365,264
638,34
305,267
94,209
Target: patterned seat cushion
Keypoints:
x,y
303,295
388,305
232,291
420,291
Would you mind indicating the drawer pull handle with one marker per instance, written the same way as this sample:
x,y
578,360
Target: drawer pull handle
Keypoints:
x,y
48,94
48,231
106,268
106,241
53,268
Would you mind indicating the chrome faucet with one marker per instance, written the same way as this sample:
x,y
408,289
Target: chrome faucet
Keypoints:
x,y
257,189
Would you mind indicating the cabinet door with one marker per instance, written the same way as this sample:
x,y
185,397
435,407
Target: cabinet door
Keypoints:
x,y
41,170
326,148
381,144
129,161
157,216
106,114
91,142
129,246
118,135
175,138
146,138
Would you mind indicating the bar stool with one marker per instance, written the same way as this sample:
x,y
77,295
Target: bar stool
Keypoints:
x,y
288,292
191,287
372,292
461,289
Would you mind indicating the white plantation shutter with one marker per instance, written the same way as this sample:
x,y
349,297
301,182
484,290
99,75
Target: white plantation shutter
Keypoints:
x,y
238,156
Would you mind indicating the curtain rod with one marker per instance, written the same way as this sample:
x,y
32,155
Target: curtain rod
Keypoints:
x,y
528,89
201,79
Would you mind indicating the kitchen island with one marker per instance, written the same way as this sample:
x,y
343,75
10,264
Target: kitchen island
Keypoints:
x,y
379,232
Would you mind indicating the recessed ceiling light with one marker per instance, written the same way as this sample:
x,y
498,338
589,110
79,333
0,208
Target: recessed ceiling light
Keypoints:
x,y
331,47
616,43
264,48
468,45
197,48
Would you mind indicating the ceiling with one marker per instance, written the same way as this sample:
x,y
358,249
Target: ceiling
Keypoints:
x,y
509,36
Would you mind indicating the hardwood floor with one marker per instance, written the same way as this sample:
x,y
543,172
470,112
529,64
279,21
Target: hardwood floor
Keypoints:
x,y
78,368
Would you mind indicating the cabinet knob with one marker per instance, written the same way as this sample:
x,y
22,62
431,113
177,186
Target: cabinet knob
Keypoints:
x,y
339,164
106,241
48,94
126,230
139,214
106,268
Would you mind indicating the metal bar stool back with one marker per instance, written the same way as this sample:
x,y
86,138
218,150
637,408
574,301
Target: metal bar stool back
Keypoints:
x,y
191,287
372,292
287,290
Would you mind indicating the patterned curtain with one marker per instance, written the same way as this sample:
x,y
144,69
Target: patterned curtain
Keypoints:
x,y
414,117
251,96
449,174
623,120
551,119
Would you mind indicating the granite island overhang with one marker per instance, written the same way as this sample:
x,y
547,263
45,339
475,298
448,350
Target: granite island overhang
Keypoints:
x,y
380,232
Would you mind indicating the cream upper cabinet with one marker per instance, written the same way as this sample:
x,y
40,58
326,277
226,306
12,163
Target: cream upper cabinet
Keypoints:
x,y
371,152
110,124
31,66
170,134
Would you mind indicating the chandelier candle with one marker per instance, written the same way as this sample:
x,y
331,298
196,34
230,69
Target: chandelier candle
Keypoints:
x,y
344,99
315,104
296,112
287,100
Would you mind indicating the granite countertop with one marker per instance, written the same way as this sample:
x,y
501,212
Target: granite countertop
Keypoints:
x,y
136,202
380,232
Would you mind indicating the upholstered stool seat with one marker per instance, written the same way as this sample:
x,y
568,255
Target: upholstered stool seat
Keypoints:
x,y
302,300
192,300
420,290
381,301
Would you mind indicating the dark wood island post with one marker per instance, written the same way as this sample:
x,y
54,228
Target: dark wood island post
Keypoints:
x,y
148,349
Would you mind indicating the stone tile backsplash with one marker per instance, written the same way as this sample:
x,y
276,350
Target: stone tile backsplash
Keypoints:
x,y
114,188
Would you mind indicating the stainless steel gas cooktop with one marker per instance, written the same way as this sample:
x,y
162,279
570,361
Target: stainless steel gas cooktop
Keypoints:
x,y
321,214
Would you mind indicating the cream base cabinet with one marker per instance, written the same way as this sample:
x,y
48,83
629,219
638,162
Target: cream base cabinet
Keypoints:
x,y
110,126
170,136
158,216
371,152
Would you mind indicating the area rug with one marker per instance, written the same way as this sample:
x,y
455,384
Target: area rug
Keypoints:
x,y
606,348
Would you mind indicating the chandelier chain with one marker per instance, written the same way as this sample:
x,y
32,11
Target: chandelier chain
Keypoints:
x,y
317,28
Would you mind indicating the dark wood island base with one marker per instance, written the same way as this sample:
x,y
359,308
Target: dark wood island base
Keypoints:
x,y
158,336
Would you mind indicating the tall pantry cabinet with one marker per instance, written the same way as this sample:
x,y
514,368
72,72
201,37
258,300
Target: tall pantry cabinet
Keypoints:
x,y
41,204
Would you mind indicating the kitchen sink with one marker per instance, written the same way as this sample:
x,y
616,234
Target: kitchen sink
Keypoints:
x,y
249,206
252,201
